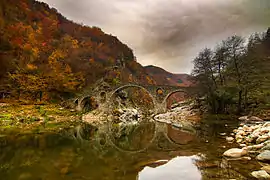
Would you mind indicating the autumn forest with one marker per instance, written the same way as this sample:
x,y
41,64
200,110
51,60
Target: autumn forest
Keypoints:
x,y
44,55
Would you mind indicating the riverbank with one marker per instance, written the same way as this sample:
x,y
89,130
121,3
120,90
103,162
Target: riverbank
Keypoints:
x,y
252,139
34,118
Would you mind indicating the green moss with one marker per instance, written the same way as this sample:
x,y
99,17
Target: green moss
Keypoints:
x,y
5,116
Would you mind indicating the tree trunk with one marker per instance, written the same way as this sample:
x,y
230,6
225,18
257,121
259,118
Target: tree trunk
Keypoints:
x,y
245,99
240,101
40,95
19,94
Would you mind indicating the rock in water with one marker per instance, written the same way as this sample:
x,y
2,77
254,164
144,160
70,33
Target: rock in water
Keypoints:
x,y
264,156
262,174
229,139
235,153
250,118
25,176
243,118
254,118
266,168
266,147
261,139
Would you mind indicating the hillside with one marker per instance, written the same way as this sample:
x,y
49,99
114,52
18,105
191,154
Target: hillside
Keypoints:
x,y
42,52
166,78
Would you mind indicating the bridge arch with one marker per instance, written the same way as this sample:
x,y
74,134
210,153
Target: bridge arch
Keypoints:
x,y
172,93
131,86
88,103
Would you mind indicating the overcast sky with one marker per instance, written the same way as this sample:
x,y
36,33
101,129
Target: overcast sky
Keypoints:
x,y
169,33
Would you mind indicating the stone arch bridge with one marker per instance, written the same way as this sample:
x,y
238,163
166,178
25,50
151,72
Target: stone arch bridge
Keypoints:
x,y
159,94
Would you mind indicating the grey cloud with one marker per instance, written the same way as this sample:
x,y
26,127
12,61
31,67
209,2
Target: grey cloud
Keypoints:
x,y
169,33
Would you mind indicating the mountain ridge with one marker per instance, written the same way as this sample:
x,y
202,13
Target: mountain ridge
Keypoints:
x,y
163,77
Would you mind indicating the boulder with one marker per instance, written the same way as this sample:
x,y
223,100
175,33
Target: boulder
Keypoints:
x,y
235,153
266,168
267,124
254,118
254,147
261,139
262,174
264,156
243,145
266,147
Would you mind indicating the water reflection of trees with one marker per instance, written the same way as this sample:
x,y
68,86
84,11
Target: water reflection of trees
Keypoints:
x,y
57,156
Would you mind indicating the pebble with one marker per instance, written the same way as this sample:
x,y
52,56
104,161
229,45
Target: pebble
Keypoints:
x,y
229,139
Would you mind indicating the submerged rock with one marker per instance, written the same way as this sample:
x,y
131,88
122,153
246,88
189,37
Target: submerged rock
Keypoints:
x,y
262,174
235,153
254,118
246,158
25,176
250,118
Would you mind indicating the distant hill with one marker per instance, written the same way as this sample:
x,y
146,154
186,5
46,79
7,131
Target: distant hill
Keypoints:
x,y
164,77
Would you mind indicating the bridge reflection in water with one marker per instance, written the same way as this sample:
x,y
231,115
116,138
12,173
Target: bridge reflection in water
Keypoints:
x,y
88,152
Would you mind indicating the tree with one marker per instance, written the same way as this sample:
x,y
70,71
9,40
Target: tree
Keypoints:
x,y
203,73
236,73
236,57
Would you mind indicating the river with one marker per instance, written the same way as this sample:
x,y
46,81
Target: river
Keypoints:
x,y
146,151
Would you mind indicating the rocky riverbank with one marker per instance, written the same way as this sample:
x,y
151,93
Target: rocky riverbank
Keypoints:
x,y
123,116
181,113
27,118
253,139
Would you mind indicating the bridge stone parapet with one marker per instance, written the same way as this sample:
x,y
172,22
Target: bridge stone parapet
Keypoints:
x,y
104,93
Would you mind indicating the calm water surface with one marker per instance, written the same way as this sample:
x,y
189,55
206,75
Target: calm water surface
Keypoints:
x,y
143,152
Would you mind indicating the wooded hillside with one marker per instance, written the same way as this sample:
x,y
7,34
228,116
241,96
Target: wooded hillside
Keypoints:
x,y
236,74
41,51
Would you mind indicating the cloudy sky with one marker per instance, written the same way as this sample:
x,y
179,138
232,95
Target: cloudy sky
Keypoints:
x,y
169,33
